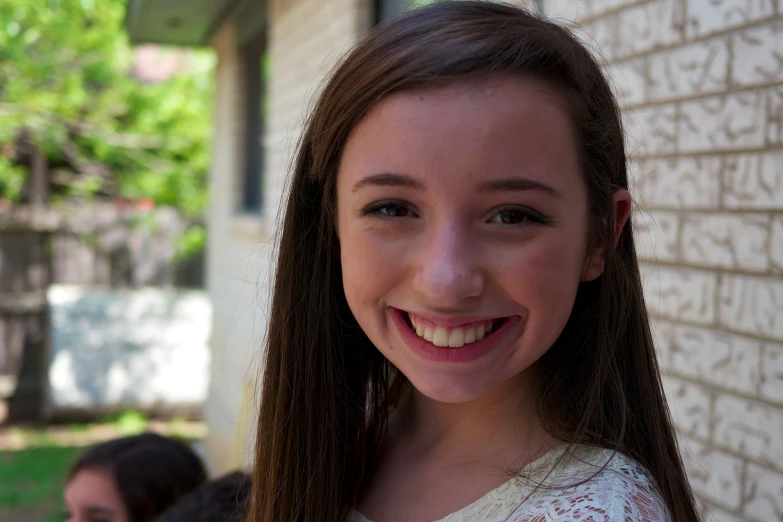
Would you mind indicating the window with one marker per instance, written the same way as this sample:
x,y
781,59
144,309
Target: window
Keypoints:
x,y
255,74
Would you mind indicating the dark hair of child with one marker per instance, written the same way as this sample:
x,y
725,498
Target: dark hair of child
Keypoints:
x,y
222,500
151,472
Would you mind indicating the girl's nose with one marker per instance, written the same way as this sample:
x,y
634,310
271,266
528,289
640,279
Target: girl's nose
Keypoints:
x,y
448,272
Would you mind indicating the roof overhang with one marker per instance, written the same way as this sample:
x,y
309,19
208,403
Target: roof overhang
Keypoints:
x,y
176,22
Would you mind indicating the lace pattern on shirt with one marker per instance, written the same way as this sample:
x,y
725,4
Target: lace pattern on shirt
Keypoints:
x,y
578,490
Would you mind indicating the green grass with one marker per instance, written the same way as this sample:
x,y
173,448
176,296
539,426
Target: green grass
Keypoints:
x,y
32,479
36,479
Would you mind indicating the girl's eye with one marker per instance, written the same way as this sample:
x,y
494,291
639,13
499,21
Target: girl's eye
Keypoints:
x,y
517,216
388,209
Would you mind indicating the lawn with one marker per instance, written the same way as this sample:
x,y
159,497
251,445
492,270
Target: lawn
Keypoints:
x,y
35,461
32,484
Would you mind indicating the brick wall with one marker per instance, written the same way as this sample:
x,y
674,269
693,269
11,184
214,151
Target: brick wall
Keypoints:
x,y
307,38
701,85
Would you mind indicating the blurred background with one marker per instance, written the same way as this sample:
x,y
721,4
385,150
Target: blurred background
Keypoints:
x,y
143,152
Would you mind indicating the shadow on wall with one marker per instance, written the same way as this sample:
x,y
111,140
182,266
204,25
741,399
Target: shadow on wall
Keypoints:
x,y
142,348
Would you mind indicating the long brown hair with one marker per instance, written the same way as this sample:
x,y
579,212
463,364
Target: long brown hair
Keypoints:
x,y
326,389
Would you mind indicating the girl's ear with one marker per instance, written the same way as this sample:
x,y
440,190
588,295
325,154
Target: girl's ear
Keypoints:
x,y
595,260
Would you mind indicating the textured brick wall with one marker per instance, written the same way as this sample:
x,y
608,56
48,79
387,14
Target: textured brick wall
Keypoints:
x,y
701,84
306,40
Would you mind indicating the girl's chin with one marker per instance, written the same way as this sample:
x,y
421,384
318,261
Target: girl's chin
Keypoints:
x,y
449,389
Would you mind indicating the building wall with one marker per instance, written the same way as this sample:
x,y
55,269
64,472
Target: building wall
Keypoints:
x,y
308,37
235,261
701,84
305,39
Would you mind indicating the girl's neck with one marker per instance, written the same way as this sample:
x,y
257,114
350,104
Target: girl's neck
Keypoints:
x,y
501,424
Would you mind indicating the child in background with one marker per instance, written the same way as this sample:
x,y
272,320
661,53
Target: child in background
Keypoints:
x,y
222,500
131,479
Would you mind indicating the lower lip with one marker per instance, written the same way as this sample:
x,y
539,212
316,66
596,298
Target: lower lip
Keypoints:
x,y
467,353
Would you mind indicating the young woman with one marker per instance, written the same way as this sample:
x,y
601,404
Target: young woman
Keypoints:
x,y
458,331
131,479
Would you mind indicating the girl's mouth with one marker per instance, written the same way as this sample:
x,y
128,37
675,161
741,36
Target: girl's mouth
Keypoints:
x,y
452,337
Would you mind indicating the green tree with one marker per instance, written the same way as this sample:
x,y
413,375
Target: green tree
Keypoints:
x,y
66,87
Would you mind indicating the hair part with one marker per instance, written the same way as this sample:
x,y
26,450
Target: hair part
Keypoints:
x,y
326,390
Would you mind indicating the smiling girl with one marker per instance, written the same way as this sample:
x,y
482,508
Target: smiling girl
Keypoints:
x,y
458,330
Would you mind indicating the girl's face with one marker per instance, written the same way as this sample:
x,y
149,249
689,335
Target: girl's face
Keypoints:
x,y
92,496
463,226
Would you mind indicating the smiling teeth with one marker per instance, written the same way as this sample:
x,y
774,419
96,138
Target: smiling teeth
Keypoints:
x,y
454,337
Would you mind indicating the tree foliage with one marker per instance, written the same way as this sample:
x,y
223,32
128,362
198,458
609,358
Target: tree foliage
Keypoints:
x,y
67,88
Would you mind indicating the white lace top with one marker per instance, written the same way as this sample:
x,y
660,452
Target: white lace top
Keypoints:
x,y
576,490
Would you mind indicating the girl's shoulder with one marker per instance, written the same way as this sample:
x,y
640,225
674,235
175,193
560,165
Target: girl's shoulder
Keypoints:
x,y
596,485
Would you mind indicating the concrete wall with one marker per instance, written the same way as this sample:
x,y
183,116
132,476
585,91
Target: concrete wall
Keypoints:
x,y
138,348
305,39
701,82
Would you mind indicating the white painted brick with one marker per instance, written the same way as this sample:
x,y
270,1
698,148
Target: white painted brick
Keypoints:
x,y
696,461
776,245
599,37
662,331
763,494
679,293
683,182
716,514
656,234
695,69
757,55
726,240
599,7
753,180
650,130
690,407
752,304
749,428
772,372
717,358
711,16
648,27
567,11
628,81
634,176
715,476
726,478
775,117
723,122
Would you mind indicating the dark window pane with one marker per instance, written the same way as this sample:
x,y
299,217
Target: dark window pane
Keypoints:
x,y
255,79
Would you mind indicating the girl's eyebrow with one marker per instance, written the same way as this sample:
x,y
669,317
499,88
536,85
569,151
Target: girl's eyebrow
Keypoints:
x,y
515,184
99,510
388,179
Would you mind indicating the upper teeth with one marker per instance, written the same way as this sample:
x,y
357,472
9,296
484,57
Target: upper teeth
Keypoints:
x,y
452,337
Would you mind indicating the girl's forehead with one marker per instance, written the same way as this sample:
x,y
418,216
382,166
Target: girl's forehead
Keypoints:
x,y
491,126
502,92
